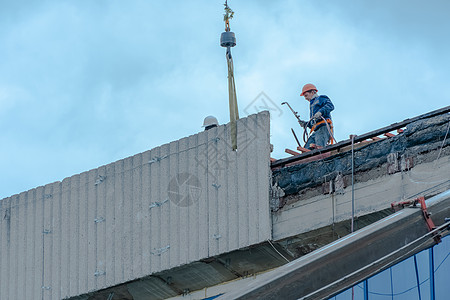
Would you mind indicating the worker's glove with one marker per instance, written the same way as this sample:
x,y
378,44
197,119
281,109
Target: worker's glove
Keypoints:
x,y
302,123
317,116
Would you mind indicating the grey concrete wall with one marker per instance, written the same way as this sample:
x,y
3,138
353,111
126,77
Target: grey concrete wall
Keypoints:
x,y
172,205
421,136
390,170
370,196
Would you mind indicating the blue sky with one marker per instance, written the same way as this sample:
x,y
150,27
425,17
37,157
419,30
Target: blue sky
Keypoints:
x,y
86,83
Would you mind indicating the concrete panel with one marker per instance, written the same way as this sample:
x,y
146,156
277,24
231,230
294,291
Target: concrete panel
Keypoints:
x,y
145,215
22,237
56,235
74,233
14,231
38,285
47,239
173,205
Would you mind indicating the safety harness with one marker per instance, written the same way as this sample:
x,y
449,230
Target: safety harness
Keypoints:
x,y
329,125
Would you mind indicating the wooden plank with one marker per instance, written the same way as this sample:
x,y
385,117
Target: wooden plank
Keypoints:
x,y
292,152
303,150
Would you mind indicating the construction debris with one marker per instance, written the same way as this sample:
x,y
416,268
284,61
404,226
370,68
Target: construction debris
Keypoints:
x,y
397,153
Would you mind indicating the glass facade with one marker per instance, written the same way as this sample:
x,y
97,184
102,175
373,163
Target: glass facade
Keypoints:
x,y
424,276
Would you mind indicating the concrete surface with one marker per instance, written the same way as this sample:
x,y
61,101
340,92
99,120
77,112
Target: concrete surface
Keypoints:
x,y
176,204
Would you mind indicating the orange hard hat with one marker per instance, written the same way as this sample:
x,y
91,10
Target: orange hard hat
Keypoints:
x,y
308,87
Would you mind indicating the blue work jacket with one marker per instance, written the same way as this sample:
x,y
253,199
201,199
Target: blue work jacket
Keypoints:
x,y
323,104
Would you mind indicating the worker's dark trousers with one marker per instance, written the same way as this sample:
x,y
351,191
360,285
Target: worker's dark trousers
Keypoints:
x,y
319,137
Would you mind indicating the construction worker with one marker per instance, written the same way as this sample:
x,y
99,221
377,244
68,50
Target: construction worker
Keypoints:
x,y
210,122
320,107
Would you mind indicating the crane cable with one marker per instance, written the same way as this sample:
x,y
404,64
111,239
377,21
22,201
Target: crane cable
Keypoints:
x,y
227,16
228,42
234,113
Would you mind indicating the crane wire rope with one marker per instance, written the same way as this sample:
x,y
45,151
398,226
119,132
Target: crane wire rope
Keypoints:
x,y
228,40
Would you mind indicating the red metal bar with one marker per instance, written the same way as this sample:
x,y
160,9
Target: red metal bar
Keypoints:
x,y
426,215
396,205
